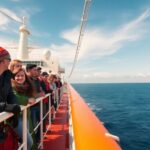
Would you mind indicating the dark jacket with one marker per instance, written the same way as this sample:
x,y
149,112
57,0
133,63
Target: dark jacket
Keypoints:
x,y
6,93
37,84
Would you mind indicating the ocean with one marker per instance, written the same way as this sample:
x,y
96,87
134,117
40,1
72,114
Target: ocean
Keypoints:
x,y
124,108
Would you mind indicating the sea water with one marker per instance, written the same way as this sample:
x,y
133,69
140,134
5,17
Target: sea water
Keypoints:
x,y
124,108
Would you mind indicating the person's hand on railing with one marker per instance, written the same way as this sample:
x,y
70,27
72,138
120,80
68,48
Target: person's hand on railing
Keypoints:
x,y
42,94
13,108
31,100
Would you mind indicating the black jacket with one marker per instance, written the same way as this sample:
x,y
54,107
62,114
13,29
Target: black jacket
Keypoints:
x,y
6,94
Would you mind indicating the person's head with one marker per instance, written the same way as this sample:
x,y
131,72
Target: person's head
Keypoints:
x,y
50,78
44,76
32,70
4,59
54,78
39,70
22,83
19,75
15,64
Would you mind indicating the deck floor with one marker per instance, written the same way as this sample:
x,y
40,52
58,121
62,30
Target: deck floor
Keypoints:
x,y
57,137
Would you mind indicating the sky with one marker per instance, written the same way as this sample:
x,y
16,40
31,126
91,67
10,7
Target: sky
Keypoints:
x,y
115,47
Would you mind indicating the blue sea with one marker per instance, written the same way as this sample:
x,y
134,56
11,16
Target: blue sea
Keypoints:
x,y
124,108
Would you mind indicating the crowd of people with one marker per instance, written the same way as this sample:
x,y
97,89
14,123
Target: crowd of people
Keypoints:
x,y
21,85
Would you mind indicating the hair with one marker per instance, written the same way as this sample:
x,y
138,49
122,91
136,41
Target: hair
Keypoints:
x,y
27,88
13,63
30,66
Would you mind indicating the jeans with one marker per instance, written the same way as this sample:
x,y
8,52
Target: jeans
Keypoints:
x,y
19,130
35,116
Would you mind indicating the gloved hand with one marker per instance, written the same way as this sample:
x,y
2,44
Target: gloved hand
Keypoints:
x,y
2,106
14,108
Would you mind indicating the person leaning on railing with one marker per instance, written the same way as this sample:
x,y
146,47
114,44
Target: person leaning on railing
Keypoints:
x,y
7,97
24,91
32,73
46,88
6,94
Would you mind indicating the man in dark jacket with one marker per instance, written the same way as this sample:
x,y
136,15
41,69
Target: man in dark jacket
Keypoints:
x,y
6,93
7,97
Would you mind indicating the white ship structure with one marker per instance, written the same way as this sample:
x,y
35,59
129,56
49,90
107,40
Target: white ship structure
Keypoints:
x,y
39,56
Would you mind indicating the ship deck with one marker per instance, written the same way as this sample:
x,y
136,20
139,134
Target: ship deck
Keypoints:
x,y
57,137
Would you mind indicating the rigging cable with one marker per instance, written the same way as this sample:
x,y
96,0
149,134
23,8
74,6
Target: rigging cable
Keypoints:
x,y
10,17
81,33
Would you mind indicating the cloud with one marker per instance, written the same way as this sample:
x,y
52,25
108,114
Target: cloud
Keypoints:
x,y
8,42
15,15
98,43
65,52
102,75
4,20
93,76
143,75
9,19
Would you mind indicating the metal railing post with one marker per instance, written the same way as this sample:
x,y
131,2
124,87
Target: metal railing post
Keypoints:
x,y
49,109
5,115
25,129
41,120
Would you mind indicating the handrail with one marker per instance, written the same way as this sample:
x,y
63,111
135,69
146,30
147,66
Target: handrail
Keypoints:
x,y
89,132
5,115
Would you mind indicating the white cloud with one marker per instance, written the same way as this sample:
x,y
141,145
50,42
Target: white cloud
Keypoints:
x,y
4,20
89,76
65,52
103,75
10,17
143,75
8,42
98,43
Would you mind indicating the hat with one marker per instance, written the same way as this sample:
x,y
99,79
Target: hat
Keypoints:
x,y
30,66
4,53
44,74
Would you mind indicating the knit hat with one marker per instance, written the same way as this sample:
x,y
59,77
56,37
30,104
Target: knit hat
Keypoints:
x,y
4,54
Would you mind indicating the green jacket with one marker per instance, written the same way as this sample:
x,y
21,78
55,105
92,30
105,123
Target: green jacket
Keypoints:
x,y
23,100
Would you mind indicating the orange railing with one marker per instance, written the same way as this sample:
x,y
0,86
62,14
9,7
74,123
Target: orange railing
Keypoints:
x,y
88,131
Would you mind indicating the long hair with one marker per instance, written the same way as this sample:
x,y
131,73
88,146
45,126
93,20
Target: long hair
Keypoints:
x,y
27,88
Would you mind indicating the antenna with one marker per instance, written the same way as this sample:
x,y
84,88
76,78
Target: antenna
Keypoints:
x,y
24,20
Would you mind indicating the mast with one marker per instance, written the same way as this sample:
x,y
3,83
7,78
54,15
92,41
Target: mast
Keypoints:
x,y
23,42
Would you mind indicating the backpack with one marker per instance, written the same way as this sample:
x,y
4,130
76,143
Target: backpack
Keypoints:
x,y
9,139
